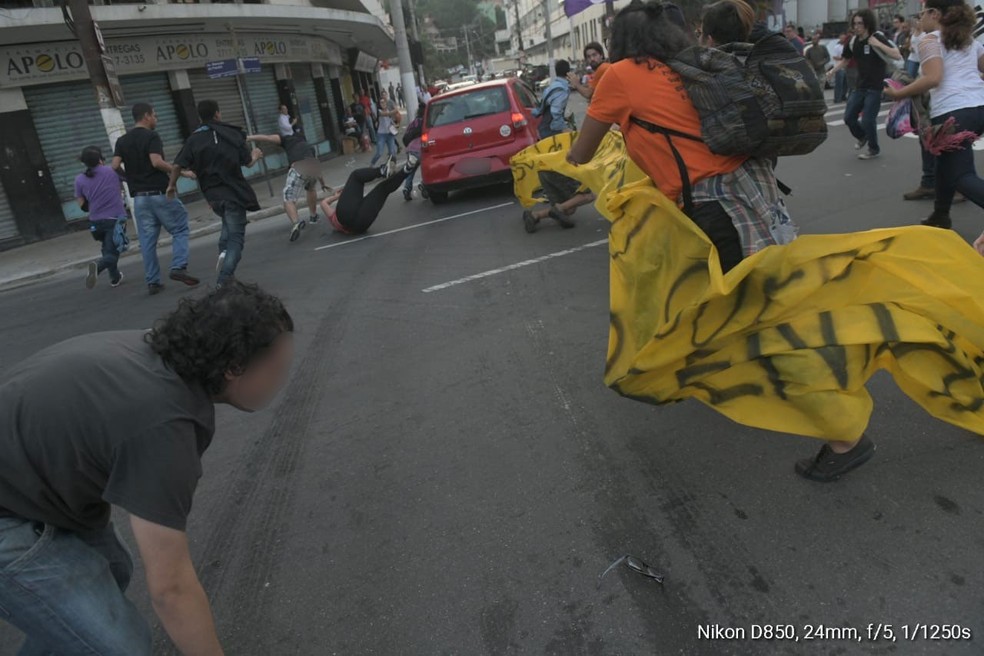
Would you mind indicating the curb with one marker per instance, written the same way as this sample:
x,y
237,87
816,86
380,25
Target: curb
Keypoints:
x,y
204,231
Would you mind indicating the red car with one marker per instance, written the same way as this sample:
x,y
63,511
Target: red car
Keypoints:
x,y
469,135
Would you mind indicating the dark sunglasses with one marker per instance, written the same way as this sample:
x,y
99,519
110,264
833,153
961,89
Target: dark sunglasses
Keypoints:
x,y
635,565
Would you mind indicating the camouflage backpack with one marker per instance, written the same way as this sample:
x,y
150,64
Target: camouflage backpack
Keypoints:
x,y
761,99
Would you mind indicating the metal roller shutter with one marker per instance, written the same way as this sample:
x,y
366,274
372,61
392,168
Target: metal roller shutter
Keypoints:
x,y
307,101
64,132
155,89
224,91
8,228
265,99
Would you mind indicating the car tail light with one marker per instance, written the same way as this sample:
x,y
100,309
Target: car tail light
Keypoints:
x,y
425,141
518,120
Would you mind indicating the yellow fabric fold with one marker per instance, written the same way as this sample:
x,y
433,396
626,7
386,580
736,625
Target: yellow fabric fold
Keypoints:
x,y
787,339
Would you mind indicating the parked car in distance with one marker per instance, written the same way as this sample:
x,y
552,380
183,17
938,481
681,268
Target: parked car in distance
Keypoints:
x,y
469,135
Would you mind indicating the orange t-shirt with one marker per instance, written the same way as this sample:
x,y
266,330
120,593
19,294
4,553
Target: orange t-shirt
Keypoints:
x,y
598,74
654,93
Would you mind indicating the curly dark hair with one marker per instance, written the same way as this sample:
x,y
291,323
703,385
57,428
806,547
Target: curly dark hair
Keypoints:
x,y
222,332
644,31
957,22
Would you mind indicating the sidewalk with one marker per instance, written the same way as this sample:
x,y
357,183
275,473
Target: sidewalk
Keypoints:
x,y
27,264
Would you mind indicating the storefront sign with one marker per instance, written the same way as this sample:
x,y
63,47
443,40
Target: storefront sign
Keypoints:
x,y
365,63
62,61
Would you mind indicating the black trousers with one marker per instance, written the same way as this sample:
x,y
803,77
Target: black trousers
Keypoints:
x,y
717,225
356,212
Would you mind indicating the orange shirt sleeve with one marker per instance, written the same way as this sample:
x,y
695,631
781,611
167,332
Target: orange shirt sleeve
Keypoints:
x,y
598,74
610,101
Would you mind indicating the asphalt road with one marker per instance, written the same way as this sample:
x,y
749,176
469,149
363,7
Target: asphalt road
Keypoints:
x,y
446,473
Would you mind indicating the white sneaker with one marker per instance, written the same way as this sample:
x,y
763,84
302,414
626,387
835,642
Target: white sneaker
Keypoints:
x,y
860,143
220,261
868,154
412,162
390,166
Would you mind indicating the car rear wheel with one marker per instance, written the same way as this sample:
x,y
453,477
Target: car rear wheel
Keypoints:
x,y
438,197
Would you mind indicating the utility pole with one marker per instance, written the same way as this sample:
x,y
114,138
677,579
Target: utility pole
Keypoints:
x,y
468,50
416,37
550,54
102,71
403,54
606,31
519,28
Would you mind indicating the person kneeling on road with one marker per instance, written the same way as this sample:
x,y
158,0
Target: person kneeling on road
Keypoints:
x,y
564,195
354,214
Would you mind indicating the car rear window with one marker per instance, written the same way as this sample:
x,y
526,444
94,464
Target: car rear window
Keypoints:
x,y
464,106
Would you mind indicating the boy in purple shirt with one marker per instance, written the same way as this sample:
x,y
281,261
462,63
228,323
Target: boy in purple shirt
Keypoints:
x,y
99,191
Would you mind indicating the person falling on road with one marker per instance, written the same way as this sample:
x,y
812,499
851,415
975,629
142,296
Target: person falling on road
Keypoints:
x,y
305,171
122,419
354,214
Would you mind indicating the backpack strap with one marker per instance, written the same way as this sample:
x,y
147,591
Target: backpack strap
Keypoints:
x,y
688,196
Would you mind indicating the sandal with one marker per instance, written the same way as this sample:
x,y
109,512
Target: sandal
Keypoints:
x,y
828,466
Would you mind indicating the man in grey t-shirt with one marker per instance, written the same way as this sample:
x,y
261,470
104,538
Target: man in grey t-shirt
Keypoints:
x,y
122,419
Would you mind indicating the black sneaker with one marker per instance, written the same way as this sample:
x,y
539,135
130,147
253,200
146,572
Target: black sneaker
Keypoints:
x,y
181,275
116,283
529,221
828,466
155,288
313,218
938,220
407,194
91,275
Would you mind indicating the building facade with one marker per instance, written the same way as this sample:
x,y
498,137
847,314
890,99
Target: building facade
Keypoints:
x,y
527,21
312,56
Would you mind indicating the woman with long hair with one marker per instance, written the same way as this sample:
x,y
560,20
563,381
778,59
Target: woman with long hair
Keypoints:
x,y
99,191
952,63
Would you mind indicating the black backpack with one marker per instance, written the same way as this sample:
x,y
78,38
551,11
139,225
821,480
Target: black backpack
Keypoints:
x,y
761,99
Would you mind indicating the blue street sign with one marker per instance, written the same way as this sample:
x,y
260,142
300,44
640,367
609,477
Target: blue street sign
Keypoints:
x,y
221,68
230,67
249,64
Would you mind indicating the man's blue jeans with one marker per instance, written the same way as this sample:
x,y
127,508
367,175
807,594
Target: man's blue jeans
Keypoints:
x,y
864,102
233,237
65,590
840,86
152,214
384,141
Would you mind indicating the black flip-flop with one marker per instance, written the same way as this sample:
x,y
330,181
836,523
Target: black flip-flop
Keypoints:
x,y
828,466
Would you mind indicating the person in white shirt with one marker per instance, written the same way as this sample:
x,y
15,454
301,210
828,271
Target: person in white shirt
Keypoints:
x,y
285,123
952,62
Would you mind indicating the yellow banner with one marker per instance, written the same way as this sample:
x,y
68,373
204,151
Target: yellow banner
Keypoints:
x,y
787,339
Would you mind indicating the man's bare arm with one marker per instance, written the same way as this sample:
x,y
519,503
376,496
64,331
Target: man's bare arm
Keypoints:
x,y
176,594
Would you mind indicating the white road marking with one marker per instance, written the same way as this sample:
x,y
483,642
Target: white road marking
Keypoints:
x,y
511,267
413,227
